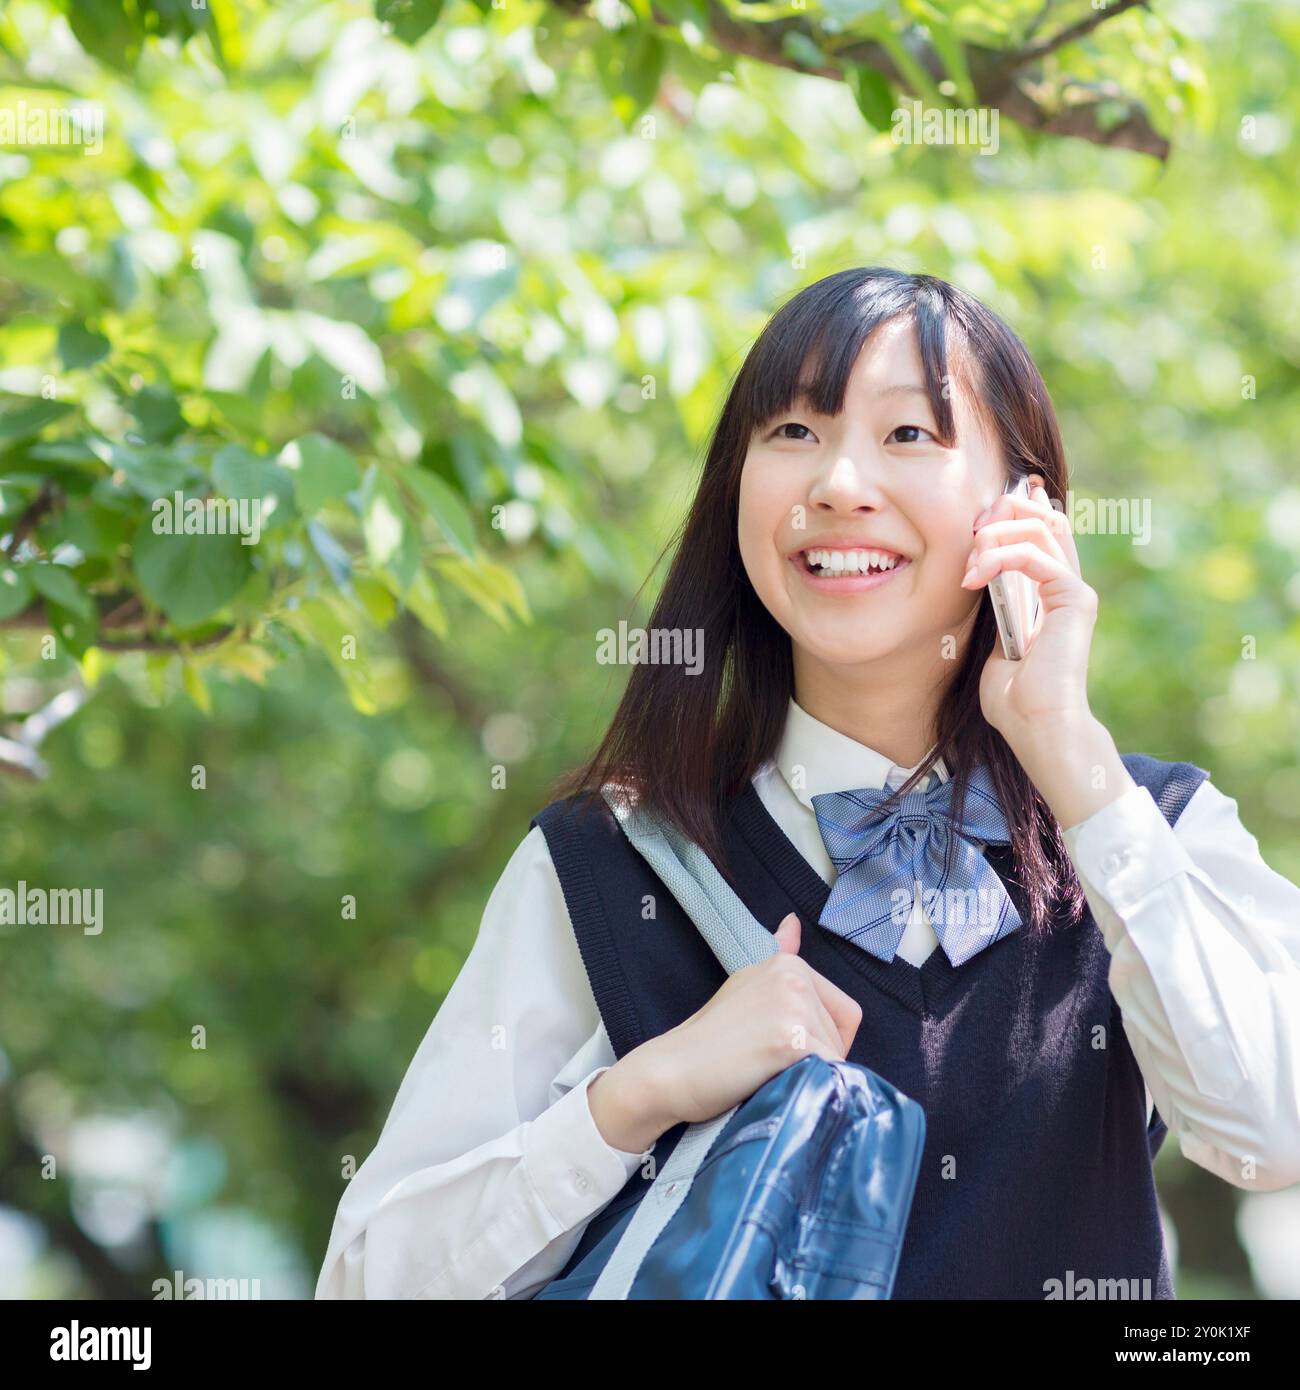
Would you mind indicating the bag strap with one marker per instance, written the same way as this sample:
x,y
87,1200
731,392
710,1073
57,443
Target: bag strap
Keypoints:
x,y
737,939
727,925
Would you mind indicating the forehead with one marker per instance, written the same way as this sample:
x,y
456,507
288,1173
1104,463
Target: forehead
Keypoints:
x,y
889,367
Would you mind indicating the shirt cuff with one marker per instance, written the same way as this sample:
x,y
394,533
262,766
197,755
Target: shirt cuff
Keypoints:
x,y
1127,849
568,1163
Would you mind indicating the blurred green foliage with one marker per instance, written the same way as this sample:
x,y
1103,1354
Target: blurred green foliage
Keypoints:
x,y
458,302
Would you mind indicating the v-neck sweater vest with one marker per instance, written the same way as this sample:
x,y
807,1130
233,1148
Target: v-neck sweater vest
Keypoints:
x,y
1036,1175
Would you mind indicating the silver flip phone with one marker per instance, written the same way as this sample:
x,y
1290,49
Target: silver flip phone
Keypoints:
x,y
1015,600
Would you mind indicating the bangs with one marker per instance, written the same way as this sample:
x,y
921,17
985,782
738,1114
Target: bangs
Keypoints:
x,y
808,350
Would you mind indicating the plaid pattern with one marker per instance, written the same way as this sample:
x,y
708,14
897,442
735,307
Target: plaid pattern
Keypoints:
x,y
915,849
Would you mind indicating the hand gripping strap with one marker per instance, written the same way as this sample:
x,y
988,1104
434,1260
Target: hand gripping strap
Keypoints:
x,y
738,940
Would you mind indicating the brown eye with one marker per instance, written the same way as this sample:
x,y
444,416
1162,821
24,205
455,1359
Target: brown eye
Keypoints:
x,y
911,430
789,425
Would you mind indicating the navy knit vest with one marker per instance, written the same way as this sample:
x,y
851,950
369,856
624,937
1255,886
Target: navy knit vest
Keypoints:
x,y
1037,1160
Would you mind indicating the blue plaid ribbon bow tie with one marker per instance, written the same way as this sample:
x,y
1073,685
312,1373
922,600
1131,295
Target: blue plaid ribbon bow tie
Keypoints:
x,y
881,857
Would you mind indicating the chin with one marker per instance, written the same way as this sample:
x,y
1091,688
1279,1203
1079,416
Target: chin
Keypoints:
x,y
847,647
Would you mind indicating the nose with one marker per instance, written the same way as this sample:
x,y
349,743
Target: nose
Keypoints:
x,y
847,483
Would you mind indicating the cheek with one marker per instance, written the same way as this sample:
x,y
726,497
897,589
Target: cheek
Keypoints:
x,y
947,528
952,544
763,510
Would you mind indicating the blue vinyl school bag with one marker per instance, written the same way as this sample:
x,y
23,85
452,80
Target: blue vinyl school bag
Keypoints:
x,y
801,1191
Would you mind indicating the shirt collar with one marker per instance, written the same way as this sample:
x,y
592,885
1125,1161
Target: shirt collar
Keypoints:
x,y
814,758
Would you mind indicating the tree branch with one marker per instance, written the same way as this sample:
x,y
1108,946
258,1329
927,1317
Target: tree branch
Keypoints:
x,y
1039,19
118,612
1040,49
468,708
993,73
36,508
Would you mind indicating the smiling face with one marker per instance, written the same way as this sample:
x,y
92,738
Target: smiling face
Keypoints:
x,y
874,478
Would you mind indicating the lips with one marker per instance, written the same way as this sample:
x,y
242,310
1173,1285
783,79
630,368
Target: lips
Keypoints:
x,y
849,561
845,576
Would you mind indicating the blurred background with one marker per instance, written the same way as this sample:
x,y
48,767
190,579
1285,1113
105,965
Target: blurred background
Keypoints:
x,y
457,290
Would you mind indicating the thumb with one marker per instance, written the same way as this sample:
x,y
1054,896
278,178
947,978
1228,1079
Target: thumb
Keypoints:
x,y
788,934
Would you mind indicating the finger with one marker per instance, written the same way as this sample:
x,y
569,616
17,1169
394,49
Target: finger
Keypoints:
x,y
1031,529
1027,559
1061,528
818,1022
788,934
822,1036
843,1011
1037,504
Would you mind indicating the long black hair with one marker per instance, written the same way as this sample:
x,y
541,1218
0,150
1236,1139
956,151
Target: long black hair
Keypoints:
x,y
688,743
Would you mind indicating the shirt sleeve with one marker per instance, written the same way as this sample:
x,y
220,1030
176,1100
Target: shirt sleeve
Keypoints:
x,y
1204,941
489,1165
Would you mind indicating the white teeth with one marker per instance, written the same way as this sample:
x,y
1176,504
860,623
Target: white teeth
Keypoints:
x,y
850,561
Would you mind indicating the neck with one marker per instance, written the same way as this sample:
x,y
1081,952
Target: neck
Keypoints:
x,y
890,706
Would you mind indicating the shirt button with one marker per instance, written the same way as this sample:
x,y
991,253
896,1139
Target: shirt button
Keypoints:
x,y
580,1180
1115,862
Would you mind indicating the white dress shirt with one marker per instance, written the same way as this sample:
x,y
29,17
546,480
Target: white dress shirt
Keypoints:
x,y
489,1165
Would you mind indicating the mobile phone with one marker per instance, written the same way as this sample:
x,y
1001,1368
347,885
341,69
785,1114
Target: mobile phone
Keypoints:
x,y
1015,599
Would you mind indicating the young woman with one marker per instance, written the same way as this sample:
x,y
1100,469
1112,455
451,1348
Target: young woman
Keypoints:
x,y
1137,969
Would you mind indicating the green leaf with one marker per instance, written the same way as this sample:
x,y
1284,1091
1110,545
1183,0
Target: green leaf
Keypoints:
x,y
643,68
629,63
79,347
23,421
411,19
238,472
322,469
106,33
493,587
682,11
94,530
949,48
797,45
383,518
444,504
503,584
56,582
157,414
422,600
75,629
375,599
195,686
333,556
153,472
15,591
189,577
873,95
846,11
330,625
